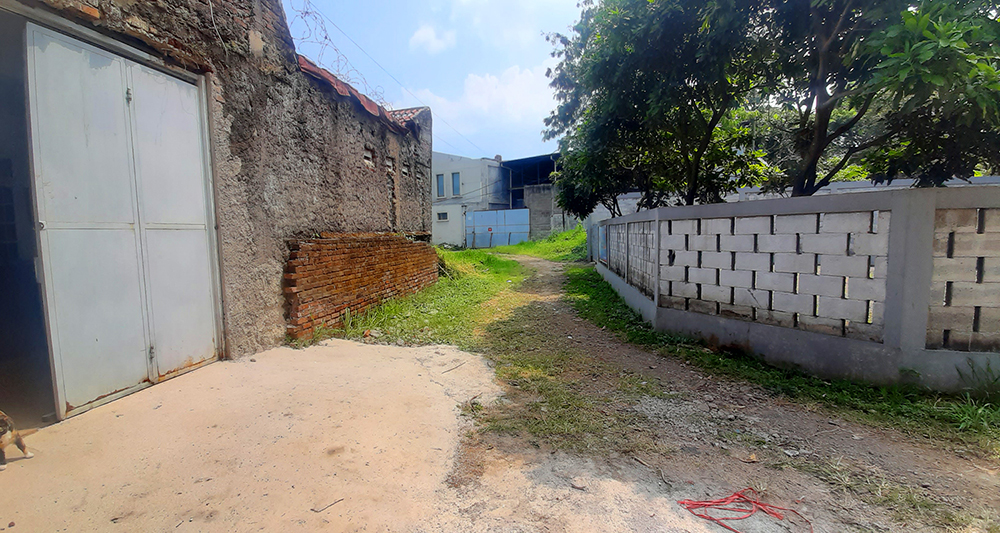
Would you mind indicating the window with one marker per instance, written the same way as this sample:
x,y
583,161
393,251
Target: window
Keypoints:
x,y
370,158
390,166
456,184
440,184
442,216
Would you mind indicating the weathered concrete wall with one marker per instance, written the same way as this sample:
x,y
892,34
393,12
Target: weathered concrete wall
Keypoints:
x,y
540,201
886,287
288,150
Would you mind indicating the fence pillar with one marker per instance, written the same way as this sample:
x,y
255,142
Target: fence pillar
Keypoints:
x,y
910,268
656,261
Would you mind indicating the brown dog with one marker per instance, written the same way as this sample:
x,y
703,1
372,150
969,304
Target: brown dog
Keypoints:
x,y
8,436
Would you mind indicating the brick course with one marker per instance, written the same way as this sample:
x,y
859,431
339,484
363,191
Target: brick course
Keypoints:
x,y
327,276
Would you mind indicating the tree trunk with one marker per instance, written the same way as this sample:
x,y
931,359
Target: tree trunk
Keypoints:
x,y
692,190
803,185
805,182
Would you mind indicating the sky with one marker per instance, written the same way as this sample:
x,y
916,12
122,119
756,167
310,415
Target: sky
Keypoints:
x,y
479,64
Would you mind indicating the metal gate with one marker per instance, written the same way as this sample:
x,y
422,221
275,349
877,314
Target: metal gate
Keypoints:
x,y
122,196
486,229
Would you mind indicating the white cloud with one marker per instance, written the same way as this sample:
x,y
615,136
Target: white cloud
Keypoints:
x,y
427,38
515,23
516,101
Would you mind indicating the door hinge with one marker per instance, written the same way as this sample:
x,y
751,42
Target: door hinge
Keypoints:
x,y
128,95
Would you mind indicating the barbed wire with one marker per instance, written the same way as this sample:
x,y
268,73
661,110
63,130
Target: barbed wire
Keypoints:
x,y
313,31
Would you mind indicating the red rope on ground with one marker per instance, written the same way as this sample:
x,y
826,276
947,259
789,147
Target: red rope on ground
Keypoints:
x,y
739,502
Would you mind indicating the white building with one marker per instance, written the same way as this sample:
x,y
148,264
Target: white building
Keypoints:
x,y
460,185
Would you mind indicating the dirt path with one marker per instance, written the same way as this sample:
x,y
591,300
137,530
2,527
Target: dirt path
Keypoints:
x,y
844,476
354,437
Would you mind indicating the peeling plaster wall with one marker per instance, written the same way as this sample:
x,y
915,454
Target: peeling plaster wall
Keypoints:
x,y
289,151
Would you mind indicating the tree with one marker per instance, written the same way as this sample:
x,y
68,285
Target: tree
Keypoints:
x,y
777,132
870,80
647,90
940,67
826,70
590,177
681,99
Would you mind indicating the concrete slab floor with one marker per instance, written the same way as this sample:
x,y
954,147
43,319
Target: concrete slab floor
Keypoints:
x,y
244,445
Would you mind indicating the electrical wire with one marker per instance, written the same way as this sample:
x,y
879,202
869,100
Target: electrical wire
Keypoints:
x,y
448,143
435,115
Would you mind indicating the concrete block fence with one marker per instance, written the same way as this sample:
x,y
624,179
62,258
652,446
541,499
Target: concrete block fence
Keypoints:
x,y
884,287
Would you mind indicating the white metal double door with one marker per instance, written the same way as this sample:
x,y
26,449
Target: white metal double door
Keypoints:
x,y
121,186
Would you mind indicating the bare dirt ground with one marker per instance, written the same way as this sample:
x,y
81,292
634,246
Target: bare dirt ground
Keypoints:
x,y
353,437
728,435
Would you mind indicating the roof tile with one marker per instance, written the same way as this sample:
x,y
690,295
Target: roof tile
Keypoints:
x,y
343,89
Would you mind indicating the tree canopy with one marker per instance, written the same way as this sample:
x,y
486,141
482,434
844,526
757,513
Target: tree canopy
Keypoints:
x,y
646,95
686,100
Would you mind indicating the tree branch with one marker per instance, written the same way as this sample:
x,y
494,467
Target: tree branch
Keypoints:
x,y
840,95
851,152
706,140
840,22
837,168
845,127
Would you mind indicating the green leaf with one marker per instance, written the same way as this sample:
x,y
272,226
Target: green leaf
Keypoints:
x,y
924,21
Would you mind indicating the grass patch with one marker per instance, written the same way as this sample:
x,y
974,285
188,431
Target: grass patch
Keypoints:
x,y
964,419
447,312
567,246
905,503
559,396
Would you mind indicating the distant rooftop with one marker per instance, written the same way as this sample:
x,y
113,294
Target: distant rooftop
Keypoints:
x,y
533,159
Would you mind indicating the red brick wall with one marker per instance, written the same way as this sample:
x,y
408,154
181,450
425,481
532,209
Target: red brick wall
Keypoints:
x,y
339,271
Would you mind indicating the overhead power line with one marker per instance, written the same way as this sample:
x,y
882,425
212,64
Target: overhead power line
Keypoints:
x,y
415,97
